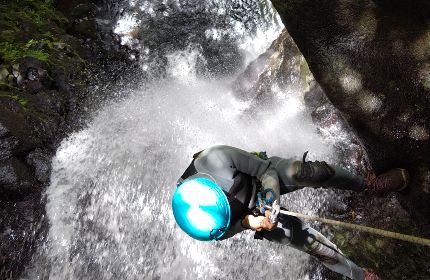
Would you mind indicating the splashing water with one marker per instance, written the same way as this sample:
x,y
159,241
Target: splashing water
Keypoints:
x,y
111,185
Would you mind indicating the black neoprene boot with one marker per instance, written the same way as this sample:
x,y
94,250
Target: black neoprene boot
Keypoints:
x,y
314,171
393,180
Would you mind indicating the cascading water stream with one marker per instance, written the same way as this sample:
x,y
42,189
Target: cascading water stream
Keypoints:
x,y
111,185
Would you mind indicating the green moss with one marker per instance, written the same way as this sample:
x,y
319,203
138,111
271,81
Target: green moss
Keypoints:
x,y
305,72
7,87
13,52
22,101
30,29
38,12
392,258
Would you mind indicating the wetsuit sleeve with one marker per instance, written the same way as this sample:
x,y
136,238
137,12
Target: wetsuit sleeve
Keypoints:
x,y
225,161
254,166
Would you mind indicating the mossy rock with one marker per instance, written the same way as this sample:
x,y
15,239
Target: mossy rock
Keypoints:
x,y
85,28
33,29
84,10
393,259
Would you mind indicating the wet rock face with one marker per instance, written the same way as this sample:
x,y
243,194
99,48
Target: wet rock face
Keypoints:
x,y
41,89
32,118
282,69
372,60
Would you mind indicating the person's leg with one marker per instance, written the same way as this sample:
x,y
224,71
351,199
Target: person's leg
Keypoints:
x,y
336,177
293,232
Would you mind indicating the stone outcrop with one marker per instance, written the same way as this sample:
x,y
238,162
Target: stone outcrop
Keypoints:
x,y
283,69
372,59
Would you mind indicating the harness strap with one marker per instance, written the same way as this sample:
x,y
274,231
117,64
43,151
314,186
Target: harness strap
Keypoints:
x,y
239,208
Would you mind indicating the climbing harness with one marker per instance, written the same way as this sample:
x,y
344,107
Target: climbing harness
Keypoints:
x,y
262,155
381,232
264,199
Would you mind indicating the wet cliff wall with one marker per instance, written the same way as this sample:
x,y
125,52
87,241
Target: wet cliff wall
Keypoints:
x,y
372,60
49,54
282,68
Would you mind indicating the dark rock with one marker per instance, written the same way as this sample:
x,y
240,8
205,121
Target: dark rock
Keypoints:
x,y
32,74
84,10
49,102
15,179
61,80
7,175
32,69
21,224
16,74
40,161
32,87
7,146
3,131
11,103
22,127
85,28
315,97
371,59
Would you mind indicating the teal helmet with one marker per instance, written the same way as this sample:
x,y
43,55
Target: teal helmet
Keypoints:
x,y
201,209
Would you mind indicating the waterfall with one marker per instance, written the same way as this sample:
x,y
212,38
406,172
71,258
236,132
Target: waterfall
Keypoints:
x,y
108,203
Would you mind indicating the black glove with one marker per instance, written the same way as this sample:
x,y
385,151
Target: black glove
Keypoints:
x,y
318,171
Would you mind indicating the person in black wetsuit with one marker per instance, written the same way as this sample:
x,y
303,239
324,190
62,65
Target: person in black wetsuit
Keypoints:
x,y
247,180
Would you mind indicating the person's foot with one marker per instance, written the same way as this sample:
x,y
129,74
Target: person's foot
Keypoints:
x,y
393,180
370,275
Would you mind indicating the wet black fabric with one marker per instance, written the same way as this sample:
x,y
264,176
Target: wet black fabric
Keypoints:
x,y
191,169
314,171
239,197
292,231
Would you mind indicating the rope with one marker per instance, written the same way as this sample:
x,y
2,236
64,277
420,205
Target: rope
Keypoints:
x,y
381,232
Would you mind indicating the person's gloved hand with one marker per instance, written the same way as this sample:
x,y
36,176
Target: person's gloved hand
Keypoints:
x,y
259,223
266,224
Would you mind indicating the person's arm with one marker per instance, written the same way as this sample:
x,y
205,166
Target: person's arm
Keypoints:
x,y
250,164
224,161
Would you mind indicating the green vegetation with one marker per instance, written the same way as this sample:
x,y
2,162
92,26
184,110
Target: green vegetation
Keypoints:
x,y
392,258
31,28
22,101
